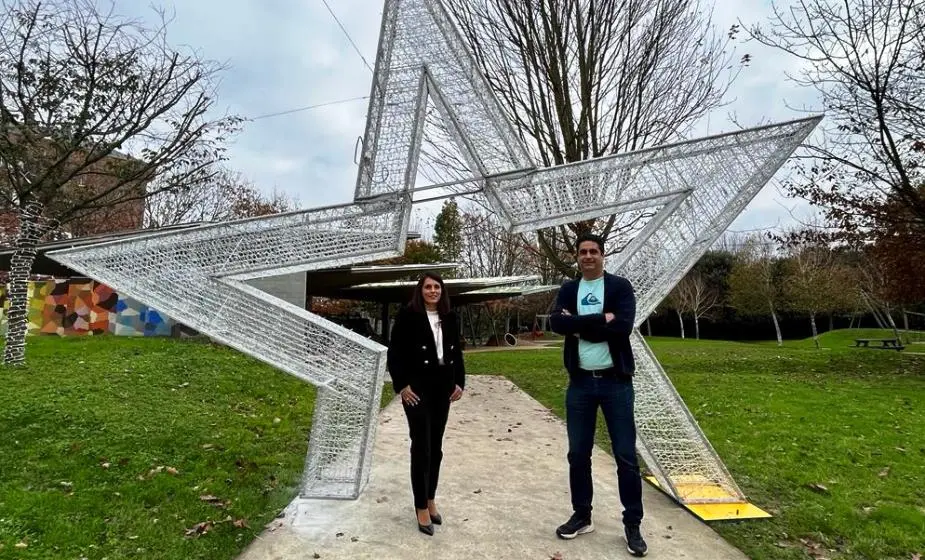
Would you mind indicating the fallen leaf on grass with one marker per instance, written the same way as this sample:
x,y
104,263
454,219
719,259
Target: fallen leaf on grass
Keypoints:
x,y
199,529
159,469
916,556
21,544
884,472
816,487
814,549
241,523
215,501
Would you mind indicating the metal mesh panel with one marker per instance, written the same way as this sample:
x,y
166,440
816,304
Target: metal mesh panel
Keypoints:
x,y
736,164
196,276
670,441
421,53
723,174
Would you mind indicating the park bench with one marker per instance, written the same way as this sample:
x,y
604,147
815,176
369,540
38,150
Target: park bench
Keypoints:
x,y
885,343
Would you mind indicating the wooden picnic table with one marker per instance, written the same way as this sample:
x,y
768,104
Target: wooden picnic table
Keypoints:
x,y
885,343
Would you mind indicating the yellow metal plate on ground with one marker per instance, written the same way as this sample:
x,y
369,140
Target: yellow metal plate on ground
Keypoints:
x,y
693,489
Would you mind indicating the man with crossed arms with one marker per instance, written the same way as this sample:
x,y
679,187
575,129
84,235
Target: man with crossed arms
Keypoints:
x,y
596,313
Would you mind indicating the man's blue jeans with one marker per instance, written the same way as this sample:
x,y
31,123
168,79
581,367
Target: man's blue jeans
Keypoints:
x,y
615,398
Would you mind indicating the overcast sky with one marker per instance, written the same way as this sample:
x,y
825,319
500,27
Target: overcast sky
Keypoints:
x,y
287,54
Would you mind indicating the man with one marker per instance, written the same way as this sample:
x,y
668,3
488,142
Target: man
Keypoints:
x,y
596,313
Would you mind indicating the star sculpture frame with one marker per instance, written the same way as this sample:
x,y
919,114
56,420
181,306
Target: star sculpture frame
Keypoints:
x,y
693,191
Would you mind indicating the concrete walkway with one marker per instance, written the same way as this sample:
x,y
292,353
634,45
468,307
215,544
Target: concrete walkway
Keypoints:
x,y
503,491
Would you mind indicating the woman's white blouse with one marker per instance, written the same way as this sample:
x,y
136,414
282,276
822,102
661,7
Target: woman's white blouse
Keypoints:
x,y
437,328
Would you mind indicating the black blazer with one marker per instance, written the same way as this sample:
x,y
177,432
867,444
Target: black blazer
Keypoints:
x,y
620,300
412,356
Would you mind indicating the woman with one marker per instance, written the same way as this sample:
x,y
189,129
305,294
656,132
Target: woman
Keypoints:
x,y
426,364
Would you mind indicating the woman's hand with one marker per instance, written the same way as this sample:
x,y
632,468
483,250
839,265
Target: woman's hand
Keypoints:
x,y
408,396
457,393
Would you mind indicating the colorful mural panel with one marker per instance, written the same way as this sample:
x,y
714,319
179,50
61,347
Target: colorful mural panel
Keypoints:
x,y
81,307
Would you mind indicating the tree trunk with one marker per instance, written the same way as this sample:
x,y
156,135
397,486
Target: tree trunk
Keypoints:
x,y
812,322
905,319
696,327
878,317
681,320
780,339
831,322
20,267
889,316
649,325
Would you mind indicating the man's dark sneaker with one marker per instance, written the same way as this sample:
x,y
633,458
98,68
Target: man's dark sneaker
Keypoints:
x,y
576,525
635,544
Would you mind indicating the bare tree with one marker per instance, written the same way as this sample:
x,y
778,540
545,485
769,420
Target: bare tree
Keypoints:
x,y
695,296
872,274
756,282
583,79
227,196
865,59
817,282
86,94
488,250
673,301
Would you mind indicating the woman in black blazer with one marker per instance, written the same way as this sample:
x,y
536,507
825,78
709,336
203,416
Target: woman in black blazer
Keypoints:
x,y
426,364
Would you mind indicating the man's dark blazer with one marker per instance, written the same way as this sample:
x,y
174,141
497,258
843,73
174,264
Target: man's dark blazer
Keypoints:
x,y
412,356
620,300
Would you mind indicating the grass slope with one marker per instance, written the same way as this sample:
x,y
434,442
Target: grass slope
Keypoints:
x,y
784,420
93,429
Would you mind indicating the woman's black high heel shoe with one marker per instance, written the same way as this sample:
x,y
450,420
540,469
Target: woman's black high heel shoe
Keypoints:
x,y
436,518
426,529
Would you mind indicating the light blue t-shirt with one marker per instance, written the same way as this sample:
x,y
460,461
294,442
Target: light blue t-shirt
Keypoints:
x,y
592,355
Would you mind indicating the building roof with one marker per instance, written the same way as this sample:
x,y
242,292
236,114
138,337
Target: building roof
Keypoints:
x,y
460,290
331,280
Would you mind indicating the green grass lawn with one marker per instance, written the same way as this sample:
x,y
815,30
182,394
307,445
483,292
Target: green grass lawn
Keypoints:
x,y
109,445
784,420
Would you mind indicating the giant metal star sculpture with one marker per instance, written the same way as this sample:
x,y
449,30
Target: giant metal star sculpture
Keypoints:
x,y
693,190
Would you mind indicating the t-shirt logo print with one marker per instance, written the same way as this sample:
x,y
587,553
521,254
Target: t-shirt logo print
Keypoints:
x,y
590,299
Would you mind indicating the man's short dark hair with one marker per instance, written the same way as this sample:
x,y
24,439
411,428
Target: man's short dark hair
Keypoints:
x,y
588,236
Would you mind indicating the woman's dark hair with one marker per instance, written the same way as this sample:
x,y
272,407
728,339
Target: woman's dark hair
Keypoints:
x,y
417,299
